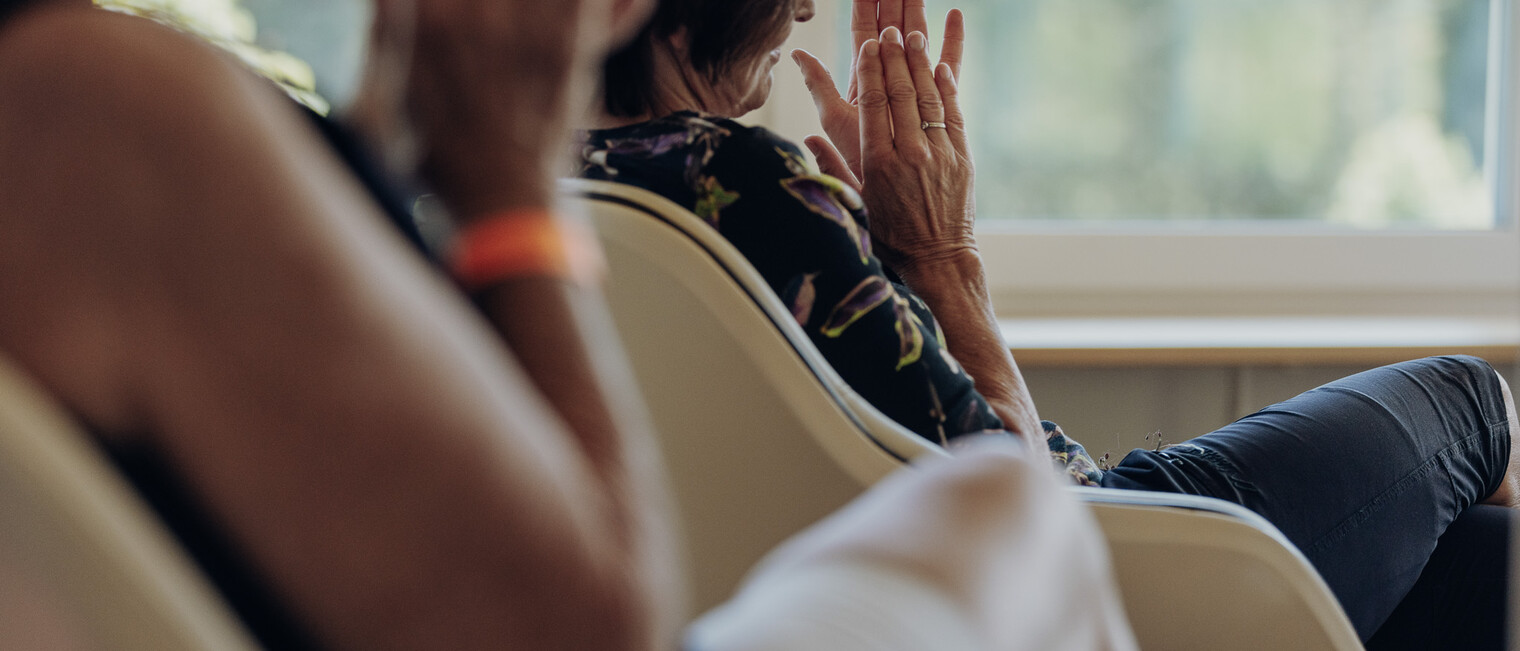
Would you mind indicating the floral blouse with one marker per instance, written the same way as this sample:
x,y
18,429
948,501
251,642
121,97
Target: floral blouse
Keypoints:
x,y
806,233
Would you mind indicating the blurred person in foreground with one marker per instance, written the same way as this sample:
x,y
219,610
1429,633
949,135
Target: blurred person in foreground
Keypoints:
x,y
231,297
1397,483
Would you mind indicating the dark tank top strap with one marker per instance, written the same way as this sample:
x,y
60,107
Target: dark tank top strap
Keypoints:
x,y
395,197
203,538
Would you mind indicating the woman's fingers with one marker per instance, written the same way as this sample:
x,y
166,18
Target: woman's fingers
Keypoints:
x,y
863,23
820,83
863,27
830,162
901,93
930,108
875,111
955,121
951,49
915,17
890,14
838,117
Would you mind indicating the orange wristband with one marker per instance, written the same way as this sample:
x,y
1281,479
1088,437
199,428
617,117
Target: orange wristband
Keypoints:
x,y
526,243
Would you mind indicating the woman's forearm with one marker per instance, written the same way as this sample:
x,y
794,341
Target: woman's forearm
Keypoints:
x,y
955,288
563,338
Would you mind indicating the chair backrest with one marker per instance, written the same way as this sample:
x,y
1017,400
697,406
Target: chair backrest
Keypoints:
x,y
760,436
689,249
84,564
745,403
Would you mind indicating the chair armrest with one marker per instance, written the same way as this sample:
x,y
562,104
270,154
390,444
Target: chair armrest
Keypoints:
x,y
1202,573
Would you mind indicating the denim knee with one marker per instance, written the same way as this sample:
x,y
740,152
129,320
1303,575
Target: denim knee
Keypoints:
x,y
1480,386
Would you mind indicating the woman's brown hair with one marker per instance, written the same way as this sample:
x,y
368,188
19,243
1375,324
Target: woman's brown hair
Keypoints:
x,y
720,34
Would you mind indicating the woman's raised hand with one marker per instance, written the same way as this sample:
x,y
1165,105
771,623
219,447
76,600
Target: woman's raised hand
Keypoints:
x,y
838,114
916,166
495,86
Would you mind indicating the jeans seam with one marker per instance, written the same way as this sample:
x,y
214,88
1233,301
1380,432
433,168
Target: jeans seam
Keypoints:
x,y
1231,472
1451,479
1502,424
1343,528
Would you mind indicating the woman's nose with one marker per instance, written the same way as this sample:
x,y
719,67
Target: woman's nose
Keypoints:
x,y
805,10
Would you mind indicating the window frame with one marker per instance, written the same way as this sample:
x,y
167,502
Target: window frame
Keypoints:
x,y
1044,268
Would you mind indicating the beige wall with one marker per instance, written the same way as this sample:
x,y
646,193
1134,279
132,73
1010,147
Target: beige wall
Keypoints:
x,y
1113,409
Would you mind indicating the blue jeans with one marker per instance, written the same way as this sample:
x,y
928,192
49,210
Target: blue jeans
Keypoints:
x,y
1366,475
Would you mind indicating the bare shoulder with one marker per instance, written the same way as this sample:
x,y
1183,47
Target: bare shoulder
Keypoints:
x,y
87,80
138,120
118,138
67,56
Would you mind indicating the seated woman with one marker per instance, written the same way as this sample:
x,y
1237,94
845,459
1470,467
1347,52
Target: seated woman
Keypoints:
x,y
1381,478
217,292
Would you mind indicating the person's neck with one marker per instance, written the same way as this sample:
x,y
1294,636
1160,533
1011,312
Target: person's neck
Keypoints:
x,y
676,89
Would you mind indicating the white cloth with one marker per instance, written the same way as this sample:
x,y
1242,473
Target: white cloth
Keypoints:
x,y
985,551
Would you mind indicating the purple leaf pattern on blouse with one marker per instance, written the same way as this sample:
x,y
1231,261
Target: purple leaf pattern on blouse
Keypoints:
x,y
799,297
821,197
646,147
870,293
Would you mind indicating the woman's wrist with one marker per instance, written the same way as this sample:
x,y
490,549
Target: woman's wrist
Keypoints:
x,y
955,269
472,197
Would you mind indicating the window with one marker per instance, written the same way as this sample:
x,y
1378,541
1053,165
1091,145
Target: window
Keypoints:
x,y
1162,157
1232,157
1363,113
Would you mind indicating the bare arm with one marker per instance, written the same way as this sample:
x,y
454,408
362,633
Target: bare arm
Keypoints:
x,y
494,114
955,288
564,339
188,263
925,179
918,189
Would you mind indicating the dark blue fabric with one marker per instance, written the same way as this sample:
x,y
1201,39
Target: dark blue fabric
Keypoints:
x,y
1459,601
1364,474
392,195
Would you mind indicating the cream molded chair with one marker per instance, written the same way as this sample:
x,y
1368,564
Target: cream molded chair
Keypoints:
x,y
762,438
84,564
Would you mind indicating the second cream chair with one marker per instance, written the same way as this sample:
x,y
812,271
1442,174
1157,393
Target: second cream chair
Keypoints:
x,y
762,438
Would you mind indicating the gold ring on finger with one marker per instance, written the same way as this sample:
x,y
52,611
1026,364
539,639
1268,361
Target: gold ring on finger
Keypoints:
x,y
932,125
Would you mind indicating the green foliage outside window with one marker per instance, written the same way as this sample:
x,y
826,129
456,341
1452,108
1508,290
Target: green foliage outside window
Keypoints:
x,y
1359,113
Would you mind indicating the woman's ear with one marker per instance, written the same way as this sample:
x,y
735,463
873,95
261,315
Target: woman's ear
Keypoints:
x,y
628,17
679,41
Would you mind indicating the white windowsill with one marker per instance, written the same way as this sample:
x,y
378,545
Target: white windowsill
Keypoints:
x,y
1041,342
